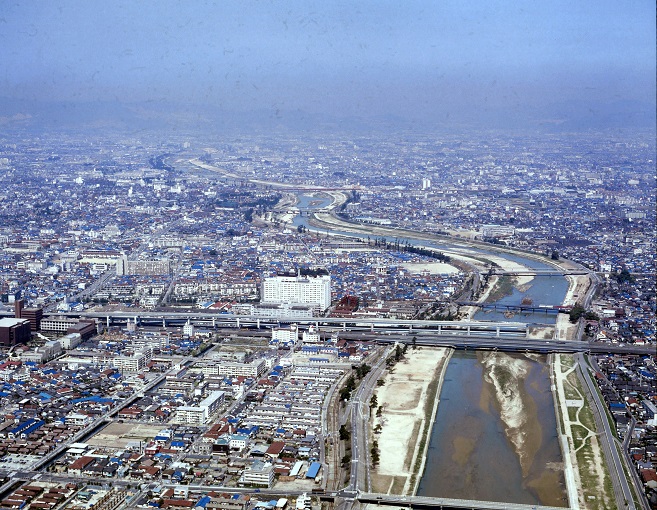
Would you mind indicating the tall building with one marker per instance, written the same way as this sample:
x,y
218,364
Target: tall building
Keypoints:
x,y
14,331
298,289
34,315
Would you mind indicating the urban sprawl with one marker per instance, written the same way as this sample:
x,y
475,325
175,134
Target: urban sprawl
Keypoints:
x,y
194,324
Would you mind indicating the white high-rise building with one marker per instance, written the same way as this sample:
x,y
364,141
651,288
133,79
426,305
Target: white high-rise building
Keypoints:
x,y
298,289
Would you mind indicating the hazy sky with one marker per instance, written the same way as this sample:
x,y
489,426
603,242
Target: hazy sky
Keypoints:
x,y
361,57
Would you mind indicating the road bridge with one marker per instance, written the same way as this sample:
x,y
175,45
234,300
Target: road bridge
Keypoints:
x,y
516,308
445,503
510,344
539,272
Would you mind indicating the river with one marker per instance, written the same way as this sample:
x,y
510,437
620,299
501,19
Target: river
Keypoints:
x,y
475,454
542,290
490,443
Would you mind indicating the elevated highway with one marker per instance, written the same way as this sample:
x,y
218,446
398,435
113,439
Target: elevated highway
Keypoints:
x,y
215,320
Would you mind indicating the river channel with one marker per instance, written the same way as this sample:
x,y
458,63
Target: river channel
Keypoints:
x,y
474,453
480,448
542,290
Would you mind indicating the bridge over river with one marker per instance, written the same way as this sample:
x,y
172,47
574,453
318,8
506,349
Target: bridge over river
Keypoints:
x,y
539,272
444,503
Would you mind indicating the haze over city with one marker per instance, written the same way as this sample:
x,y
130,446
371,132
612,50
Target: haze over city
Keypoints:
x,y
419,65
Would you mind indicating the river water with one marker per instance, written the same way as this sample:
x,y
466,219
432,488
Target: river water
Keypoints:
x,y
473,452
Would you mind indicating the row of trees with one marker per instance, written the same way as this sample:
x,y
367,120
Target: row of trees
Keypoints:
x,y
350,385
406,247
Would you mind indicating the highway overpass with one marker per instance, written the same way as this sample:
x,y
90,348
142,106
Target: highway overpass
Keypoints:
x,y
214,320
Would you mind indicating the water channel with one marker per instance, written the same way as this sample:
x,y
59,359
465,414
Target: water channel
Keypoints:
x,y
473,452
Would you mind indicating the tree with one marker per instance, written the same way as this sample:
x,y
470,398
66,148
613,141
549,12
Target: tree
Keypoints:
x,y
363,370
398,352
373,401
414,342
555,255
576,312
345,435
624,276
374,451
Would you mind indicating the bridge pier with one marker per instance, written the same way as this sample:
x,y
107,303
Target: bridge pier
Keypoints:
x,y
214,323
344,326
237,321
497,331
258,324
164,323
108,322
468,330
440,329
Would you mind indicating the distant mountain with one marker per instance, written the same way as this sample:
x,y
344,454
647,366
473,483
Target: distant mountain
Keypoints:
x,y
155,116
573,116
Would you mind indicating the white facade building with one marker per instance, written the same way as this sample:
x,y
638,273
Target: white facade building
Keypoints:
x,y
497,230
258,474
298,289
188,329
311,336
200,414
289,334
234,369
135,363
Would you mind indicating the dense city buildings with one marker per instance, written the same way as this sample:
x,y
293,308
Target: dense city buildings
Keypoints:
x,y
102,224
177,290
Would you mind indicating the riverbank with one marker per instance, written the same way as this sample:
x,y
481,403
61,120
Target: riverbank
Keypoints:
x,y
587,480
578,286
409,399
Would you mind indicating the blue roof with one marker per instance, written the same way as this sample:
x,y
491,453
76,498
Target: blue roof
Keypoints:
x,y
203,501
33,427
96,399
313,470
